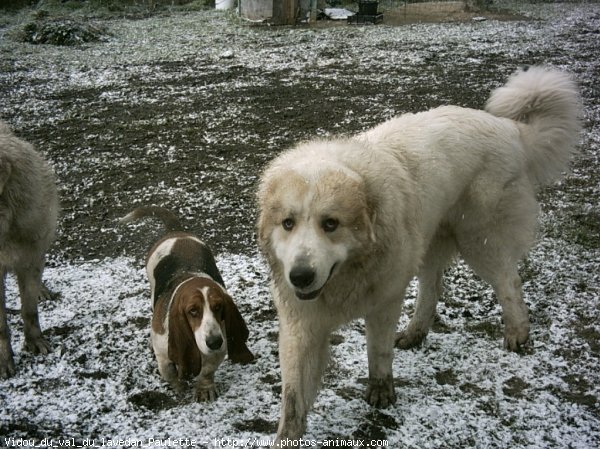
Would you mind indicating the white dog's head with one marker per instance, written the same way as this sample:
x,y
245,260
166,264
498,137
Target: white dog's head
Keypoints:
x,y
314,218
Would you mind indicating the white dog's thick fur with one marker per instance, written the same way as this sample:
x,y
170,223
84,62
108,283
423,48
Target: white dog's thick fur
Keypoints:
x,y
345,224
28,215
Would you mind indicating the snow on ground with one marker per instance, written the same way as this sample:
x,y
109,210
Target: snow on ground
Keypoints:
x,y
459,390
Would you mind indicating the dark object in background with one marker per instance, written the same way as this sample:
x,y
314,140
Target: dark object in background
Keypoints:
x,y
368,7
367,13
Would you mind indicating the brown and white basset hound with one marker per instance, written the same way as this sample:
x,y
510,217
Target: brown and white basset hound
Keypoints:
x,y
195,322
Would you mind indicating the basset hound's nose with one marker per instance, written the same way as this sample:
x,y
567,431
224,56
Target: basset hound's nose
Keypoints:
x,y
214,342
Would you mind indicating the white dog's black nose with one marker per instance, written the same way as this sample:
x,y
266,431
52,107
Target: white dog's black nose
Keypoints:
x,y
302,276
214,342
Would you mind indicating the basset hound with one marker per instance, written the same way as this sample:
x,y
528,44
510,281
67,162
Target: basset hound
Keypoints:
x,y
195,322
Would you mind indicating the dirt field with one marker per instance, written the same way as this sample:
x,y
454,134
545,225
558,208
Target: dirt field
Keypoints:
x,y
443,12
184,109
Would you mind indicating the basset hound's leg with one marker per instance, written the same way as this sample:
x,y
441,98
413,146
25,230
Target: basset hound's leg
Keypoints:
x,y
166,367
206,389
168,371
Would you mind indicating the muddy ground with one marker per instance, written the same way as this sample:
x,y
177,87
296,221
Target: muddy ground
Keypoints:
x,y
204,125
184,109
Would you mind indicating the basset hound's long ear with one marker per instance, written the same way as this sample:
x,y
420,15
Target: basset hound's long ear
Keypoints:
x,y
182,348
237,333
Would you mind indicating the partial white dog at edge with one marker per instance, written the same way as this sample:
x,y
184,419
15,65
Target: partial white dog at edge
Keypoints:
x,y
345,224
29,208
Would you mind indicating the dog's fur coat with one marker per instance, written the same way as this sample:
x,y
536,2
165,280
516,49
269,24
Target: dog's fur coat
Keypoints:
x,y
28,215
345,224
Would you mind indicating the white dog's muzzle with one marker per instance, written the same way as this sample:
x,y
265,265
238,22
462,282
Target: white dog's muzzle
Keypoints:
x,y
304,278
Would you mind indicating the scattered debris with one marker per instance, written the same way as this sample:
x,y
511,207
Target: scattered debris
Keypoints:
x,y
337,13
61,32
227,54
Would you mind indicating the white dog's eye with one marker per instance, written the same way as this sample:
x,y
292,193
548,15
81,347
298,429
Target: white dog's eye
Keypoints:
x,y
288,224
194,312
330,224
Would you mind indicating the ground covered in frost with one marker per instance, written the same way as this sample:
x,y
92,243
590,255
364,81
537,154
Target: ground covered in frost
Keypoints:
x,y
183,109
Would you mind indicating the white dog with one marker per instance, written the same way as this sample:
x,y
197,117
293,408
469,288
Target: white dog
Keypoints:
x,y
345,224
29,208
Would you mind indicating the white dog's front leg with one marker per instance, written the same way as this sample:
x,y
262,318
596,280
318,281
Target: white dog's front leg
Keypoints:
x,y
303,355
381,332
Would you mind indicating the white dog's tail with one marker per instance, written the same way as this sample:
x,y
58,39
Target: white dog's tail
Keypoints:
x,y
548,101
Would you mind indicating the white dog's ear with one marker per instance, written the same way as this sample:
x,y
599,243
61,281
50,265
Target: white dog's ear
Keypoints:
x,y
262,226
372,219
366,217
365,226
261,223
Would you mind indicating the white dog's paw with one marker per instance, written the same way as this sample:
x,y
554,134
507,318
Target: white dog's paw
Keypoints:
x,y
206,393
380,392
7,364
37,345
407,339
515,337
48,295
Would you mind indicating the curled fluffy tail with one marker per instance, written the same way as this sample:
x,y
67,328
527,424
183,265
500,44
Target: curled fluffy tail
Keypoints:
x,y
548,102
168,218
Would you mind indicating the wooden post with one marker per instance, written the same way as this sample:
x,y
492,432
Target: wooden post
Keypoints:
x,y
284,12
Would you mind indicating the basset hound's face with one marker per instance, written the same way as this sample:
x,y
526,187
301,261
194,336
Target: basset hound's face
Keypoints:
x,y
204,322
201,304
